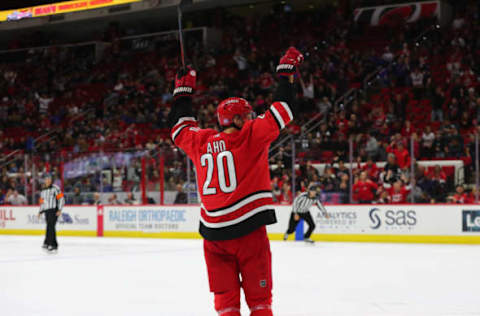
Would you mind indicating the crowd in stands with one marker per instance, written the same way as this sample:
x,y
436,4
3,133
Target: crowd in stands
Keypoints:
x,y
424,96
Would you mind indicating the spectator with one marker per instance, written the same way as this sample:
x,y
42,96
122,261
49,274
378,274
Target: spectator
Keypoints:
x,y
460,197
392,170
344,188
397,192
342,169
329,181
417,82
416,194
364,189
453,110
401,154
307,87
387,55
384,198
472,196
16,198
275,189
77,197
113,200
96,199
286,196
371,147
428,137
400,106
324,107
180,197
438,100
130,200
371,168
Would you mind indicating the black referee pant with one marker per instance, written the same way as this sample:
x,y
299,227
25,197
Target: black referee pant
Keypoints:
x,y
292,224
51,233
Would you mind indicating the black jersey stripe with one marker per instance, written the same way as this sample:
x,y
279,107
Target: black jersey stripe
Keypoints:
x,y
276,120
177,132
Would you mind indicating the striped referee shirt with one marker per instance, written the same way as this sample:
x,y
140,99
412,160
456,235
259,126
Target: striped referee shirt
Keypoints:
x,y
303,202
51,198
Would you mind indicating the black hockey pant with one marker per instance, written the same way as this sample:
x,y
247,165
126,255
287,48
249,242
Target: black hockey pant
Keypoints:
x,y
292,224
51,234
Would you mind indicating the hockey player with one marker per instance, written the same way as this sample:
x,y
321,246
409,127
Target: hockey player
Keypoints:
x,y
234,185
301,210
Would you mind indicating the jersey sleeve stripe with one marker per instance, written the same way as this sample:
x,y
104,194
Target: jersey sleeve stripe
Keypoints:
x,y
284,111
185,119
178,130
287,109
277,117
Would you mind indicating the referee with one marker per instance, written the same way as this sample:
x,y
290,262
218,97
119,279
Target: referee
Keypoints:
x,y
51,204
301,206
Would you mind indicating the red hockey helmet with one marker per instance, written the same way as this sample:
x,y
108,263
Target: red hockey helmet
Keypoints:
x,y
228,108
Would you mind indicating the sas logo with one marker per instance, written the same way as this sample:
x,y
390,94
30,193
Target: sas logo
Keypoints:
x,y
471,221
391,219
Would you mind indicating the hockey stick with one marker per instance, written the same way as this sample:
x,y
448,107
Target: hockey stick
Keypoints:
x,y
181,4
180,34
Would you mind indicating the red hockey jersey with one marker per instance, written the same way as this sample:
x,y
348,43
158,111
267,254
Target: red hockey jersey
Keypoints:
x,y
233,176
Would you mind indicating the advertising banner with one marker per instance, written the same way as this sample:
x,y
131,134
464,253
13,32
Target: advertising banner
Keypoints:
x,y
58,8
397,13
471,220
151,219
387,223
73,218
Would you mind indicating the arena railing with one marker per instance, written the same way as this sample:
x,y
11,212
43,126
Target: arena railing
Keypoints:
x,y
164,175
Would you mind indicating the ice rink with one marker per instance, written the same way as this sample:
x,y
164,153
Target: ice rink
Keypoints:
x,y
112,276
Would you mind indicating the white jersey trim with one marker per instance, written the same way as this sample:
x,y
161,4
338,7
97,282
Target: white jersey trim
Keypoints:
x,y
236,220
175,134
185,119
239,205
287,108
278,117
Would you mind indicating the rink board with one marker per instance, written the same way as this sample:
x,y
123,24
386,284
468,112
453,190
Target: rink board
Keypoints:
x,y
358,223
23,220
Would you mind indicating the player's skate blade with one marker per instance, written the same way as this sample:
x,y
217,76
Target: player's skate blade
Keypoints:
x,y
52,250
309,241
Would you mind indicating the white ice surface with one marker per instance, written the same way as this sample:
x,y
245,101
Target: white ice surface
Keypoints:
x,y
102,276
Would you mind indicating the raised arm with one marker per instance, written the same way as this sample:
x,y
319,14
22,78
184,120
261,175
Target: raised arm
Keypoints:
x,y
286,70
185,83
267,127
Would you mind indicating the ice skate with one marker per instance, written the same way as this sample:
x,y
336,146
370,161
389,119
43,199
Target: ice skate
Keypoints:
x,y
52,250
309,241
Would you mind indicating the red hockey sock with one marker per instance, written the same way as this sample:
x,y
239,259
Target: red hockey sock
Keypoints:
x,y
228,303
